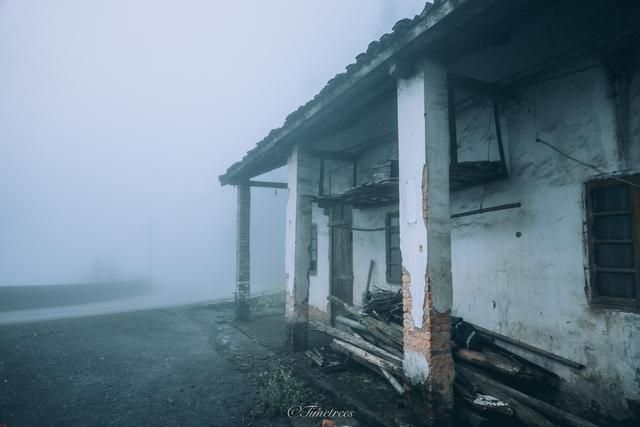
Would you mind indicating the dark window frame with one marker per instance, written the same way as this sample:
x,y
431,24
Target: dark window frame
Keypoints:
x,y
389,230
313,250
595,297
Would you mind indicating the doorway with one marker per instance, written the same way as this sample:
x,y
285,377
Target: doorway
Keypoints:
x,y
341,257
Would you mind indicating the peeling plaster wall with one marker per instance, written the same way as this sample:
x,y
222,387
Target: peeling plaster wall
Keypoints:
x,y
367,246
532,287
413,231
423,143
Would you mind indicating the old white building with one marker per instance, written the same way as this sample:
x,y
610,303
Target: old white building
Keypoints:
x,y
491,151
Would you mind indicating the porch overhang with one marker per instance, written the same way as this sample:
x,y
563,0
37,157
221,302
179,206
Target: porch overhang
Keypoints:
x,y
441,30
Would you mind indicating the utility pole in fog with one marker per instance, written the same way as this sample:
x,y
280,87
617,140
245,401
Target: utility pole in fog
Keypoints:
x,y
149,249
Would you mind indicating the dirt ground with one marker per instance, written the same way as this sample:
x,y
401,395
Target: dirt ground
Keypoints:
x,y
186,366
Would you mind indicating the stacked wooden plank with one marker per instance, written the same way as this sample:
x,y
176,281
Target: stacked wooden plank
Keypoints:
x,y
371,342
492,385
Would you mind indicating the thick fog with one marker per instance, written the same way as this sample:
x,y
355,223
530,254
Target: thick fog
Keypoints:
x,y
116,118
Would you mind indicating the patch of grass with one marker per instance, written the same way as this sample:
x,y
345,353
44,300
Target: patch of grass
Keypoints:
x,y
279,390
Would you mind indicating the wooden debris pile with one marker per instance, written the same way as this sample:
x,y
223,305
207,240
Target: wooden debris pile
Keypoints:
x,y
371,342
384,305
493,386
483,367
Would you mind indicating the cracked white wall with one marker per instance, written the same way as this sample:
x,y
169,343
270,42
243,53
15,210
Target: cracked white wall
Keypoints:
x,y
523,272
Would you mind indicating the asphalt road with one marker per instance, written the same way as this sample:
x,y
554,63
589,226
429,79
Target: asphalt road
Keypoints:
x,y
148,368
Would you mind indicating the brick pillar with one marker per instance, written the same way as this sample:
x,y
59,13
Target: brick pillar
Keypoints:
x,y
243,256
425,238
298,239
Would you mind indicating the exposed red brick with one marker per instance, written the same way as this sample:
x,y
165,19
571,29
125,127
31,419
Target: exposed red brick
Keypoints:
x,y
434,400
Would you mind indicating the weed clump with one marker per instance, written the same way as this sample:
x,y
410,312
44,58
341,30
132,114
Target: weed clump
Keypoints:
x,y
279,391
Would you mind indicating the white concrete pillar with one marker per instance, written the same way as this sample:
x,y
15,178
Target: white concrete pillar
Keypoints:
x,y
425,238
298,239
243,253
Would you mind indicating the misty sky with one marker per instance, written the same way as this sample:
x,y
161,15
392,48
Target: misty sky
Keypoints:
x,y
116,117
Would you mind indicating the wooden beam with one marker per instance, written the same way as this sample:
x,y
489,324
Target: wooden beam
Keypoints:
x,y
523,412
528,347
355,172
268,184
502,365
484,210
565,417
361,355
352,339
392,380
321,180
372,324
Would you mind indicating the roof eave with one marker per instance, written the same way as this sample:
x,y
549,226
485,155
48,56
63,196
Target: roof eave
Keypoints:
x,y
406,43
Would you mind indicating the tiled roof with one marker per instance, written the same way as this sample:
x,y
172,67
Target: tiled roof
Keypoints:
x,y
365,58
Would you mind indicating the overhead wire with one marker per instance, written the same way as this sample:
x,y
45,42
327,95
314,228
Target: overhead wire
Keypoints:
x,y
510,80
589,67
585,164
566,55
